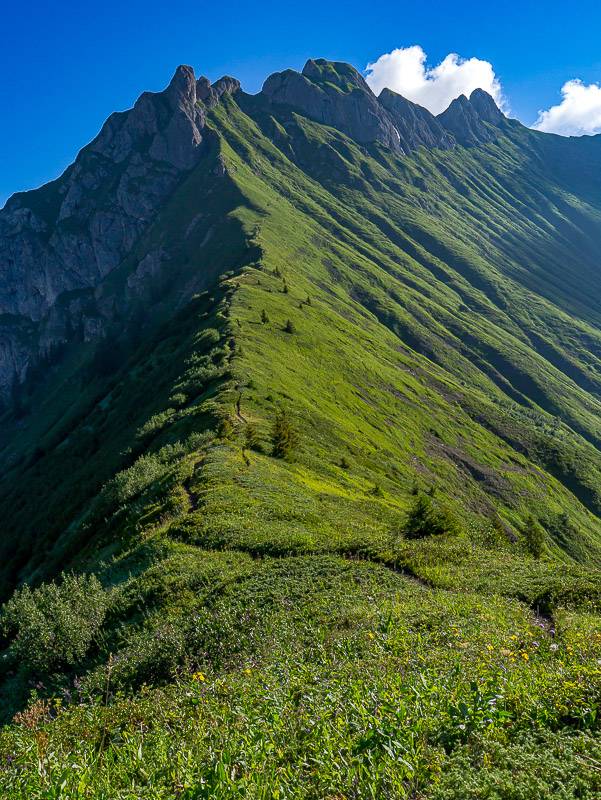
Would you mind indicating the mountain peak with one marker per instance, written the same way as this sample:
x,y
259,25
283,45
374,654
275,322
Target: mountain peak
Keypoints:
x,y
336,73
185,87
226,85
183,73
335,94
182,84
485,107
471,120
135,162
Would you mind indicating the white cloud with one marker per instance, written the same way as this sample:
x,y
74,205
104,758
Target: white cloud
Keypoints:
x,y
579,111
405,71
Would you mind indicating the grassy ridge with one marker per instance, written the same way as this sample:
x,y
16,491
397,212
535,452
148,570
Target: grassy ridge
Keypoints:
x,y
264,626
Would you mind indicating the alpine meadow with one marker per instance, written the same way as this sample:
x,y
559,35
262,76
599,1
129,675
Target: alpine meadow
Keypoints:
x,y
300,450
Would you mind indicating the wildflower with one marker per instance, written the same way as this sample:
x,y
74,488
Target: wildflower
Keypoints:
x,y
248,671
490,648
370,634
525,656
553,646
198,676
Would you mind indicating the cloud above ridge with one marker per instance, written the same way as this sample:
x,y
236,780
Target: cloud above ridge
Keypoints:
x,y
406,72
578,113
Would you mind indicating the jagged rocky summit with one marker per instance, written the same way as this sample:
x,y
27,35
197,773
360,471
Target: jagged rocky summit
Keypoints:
x,y
59,243
336,94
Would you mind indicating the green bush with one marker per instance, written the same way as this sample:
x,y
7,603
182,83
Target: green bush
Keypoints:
x,y
54,625
132,481
225,428
534,537
426,517
178,399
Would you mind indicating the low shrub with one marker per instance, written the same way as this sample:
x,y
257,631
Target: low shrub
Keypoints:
x,y
55,625
534,537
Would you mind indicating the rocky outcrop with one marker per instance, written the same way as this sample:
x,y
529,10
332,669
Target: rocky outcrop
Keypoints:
x,y
167,125
416,126
70,234
474,121
334,94
211,94
486,108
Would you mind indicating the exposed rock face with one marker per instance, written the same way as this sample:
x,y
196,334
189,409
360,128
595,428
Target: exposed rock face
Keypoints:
x,y
415,124
334,94
486,108
169,122
71,233
58,243
472,121
210,95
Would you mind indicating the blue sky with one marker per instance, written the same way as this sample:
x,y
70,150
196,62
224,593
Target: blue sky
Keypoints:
x,y
65,67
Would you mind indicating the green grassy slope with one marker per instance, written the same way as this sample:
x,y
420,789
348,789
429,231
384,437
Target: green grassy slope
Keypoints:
x,y
263,626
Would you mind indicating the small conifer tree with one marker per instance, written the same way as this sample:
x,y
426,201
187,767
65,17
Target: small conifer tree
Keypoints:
x,y
251,437
534,537
225,428
284,437
428,518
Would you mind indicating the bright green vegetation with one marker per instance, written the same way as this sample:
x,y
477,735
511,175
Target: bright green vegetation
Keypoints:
x,y
324,677
342,507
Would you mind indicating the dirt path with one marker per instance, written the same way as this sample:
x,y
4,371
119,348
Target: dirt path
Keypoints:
x,y
239,414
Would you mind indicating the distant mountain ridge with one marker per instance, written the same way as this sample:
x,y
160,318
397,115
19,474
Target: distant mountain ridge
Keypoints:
x,y
65,238
335,94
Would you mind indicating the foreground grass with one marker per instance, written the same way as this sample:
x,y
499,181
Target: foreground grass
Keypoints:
x,y
342,679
